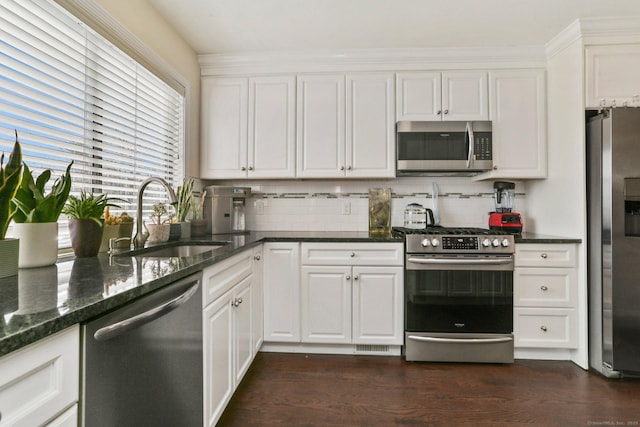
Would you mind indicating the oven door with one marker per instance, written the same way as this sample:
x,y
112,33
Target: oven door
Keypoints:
x,y
459,294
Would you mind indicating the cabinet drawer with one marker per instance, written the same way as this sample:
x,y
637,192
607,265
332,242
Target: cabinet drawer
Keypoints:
x,y
547,255
352,254
222,276
550,328
545,287
41,380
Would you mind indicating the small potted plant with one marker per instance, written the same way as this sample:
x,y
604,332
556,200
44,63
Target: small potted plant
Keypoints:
x,y
10,179
160,225
85,221
37,214
198,223
184,194
116,227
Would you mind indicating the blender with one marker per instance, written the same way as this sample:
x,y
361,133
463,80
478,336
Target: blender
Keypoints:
x,y
504,218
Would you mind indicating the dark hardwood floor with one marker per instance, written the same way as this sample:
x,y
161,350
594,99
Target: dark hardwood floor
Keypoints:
x,y
328,390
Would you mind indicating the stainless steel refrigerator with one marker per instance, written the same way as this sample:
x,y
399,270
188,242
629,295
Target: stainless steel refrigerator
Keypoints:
x,y
613,179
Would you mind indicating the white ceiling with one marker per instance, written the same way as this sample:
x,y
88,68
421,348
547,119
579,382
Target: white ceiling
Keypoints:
x,y
234,26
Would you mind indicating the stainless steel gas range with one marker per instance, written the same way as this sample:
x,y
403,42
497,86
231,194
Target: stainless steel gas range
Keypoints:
x,y
458,295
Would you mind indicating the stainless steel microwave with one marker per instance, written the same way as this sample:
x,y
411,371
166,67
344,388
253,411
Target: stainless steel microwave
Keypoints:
x,y
443,147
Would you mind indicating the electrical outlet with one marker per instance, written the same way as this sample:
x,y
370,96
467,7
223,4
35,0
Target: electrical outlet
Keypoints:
x,y
346,208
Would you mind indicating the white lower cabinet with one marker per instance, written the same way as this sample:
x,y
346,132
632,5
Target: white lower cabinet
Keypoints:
x,y
545,296
39,383
229,340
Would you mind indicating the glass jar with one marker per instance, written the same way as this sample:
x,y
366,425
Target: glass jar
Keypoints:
x,y
415,216
380,211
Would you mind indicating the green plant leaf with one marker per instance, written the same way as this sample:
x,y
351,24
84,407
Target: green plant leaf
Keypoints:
x,y
10,179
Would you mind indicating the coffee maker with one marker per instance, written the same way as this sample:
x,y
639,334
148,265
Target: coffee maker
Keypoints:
x,y
503,218
224,209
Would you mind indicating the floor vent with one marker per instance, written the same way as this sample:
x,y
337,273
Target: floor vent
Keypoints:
x,y
370,348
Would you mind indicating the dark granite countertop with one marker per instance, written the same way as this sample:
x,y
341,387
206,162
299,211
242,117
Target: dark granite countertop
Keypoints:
x,y
541,238
41,301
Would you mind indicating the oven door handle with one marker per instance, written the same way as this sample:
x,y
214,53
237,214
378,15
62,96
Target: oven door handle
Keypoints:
x,y
460,340
458,261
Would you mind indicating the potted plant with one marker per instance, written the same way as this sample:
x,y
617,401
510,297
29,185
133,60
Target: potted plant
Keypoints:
x,y
184,194
85,221
116,227
10,178
36,217
160,225
198,223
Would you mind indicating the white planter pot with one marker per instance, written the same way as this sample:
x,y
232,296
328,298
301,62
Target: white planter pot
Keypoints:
x,y
158,233
38,243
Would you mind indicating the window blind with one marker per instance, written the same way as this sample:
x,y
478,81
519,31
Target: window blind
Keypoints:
x,y
72,95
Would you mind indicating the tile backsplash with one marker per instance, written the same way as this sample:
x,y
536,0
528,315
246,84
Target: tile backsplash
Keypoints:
x,y
310,205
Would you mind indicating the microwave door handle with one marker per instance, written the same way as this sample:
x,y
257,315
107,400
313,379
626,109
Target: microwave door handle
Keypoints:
x,y
470,144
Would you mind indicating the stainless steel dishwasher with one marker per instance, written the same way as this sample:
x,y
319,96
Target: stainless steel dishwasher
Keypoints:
x,y
142,364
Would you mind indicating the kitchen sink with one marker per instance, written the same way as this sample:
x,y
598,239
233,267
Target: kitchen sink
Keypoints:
x,y
175,250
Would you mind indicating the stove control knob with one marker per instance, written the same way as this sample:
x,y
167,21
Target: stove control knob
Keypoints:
x,y
495,243
486,243
505,243
435,242
425,242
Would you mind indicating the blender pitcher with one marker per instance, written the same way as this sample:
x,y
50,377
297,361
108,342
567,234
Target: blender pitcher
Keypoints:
x,y
504,194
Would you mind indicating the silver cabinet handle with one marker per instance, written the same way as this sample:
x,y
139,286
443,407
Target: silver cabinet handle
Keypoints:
x,y
243,168
123,326
544,255
459,340
544,288
356,277
341,168
349,168
446,111
257,257
439,112
353,254
543,328
250,168
348,277
236,302
463,261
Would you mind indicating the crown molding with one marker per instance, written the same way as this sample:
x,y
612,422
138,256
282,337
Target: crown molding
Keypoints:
x,y
564,39
373,60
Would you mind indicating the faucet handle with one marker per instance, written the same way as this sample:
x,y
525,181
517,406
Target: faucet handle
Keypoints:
x,y
113,241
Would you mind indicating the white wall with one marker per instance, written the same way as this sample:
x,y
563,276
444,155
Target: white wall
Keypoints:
x,y
142,20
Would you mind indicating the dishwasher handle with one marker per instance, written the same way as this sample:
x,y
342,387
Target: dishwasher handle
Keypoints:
x,y
119,328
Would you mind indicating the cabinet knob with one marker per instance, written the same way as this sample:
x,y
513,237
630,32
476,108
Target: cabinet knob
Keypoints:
x,y
446,111
352,254
257,257
239,301
439,112
243,168
543,328
544,288
348,277
356,277
495,167
544,255
341,168
250,168
349,168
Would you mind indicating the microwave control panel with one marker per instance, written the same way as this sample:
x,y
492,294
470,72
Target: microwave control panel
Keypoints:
x,y
482,146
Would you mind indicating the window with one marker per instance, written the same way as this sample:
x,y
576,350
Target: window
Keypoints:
x,y
72,95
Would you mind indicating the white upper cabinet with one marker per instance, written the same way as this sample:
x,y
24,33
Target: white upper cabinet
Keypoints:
x,y
248,127
436,96
518,116
345,125
611,76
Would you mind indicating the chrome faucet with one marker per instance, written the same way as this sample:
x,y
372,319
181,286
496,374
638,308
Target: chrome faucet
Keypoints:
x,y
141,236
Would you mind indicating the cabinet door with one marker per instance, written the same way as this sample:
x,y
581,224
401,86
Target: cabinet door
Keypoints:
x,y
325,297
370,125
378,315
518,114
243,341
218,357
320,126
611,75
257,301
464,95
224,120
271,140
281,281
419,96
